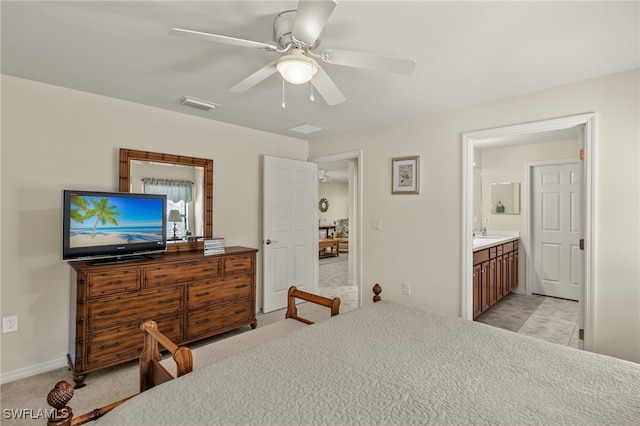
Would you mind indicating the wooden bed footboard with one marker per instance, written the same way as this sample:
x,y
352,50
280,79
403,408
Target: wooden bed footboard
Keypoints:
x,y
152,373
294,293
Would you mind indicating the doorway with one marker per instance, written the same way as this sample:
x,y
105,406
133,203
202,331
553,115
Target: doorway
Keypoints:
x,y
505,136
341,174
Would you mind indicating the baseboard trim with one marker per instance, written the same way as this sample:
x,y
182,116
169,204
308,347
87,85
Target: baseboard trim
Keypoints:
x,y
23,373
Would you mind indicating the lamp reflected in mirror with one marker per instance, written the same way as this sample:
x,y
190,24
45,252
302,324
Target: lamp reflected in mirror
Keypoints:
x,y
174,216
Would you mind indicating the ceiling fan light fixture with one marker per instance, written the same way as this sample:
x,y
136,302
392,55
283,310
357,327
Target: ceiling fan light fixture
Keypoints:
x,y
297,69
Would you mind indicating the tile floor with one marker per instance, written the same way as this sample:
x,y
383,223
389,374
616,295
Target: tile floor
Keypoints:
x,y
554,320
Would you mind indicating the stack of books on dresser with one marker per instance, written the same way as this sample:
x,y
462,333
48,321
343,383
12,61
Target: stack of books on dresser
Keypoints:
x,y
214,246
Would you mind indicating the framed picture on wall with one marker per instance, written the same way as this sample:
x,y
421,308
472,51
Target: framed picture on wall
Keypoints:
x,y
405,175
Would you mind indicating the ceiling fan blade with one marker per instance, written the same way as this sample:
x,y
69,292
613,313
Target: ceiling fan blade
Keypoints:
x,y
370,61
311,17
327,88
254,78
222,39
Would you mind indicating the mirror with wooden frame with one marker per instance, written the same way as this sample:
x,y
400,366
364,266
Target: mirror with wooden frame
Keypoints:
x,y
200,222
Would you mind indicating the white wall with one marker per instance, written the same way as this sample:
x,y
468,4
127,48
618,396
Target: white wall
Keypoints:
x,y
55,138
420,238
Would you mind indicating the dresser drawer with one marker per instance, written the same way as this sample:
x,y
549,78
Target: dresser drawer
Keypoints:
x,y
128,342
107,282
181,272
114,312
237,264
219,289
231,316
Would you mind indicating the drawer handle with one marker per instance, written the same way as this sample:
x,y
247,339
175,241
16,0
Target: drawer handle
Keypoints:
x,y
210,269
114,282
112,345
111,312
162,276
240,311
202,294
165,301
204,321
242,286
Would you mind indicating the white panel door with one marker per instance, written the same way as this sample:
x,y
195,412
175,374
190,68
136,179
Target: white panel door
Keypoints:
x,y
557,257
290,243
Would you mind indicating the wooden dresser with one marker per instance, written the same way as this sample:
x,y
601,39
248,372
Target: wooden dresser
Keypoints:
x,y
189,295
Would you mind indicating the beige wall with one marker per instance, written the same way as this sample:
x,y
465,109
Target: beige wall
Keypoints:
x,y
54,138
338,196
420,238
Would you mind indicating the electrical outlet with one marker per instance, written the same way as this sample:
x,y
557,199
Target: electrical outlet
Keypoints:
x,y
406,288
10,324
376,225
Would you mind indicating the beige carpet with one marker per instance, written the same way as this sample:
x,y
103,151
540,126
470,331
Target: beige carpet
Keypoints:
x,y
334,281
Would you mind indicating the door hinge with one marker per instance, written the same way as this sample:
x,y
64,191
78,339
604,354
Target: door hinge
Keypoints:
x,y
582,153
581,244
581,334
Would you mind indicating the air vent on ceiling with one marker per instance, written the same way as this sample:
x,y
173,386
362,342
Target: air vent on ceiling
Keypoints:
x,y
197,103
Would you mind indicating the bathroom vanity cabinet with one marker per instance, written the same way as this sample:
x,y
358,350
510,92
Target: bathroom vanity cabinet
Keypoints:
x,y
495,274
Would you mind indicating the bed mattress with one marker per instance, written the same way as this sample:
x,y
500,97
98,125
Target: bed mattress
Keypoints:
x,y
387,363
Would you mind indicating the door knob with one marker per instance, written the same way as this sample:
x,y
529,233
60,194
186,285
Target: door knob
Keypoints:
x,y
268,241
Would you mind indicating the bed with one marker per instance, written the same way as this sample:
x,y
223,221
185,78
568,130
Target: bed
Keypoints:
x,y
387,363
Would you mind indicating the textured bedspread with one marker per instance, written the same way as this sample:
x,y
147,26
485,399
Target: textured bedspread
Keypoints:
x,y
391,364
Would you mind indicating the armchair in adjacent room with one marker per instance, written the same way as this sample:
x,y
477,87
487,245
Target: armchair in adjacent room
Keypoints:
x,y
342,235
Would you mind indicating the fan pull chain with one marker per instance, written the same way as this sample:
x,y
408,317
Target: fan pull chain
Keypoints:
x,y
283,104
311,98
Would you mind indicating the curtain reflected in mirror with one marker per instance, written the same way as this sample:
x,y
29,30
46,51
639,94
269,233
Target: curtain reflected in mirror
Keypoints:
x,y
181,185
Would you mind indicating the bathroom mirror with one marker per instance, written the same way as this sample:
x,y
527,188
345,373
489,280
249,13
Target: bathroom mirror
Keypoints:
x,y
505,198
198,218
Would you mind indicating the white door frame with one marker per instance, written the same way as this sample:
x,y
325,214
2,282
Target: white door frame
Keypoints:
x,y
586,123
357,244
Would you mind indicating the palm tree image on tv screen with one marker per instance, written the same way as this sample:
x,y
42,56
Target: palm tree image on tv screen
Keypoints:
x,y
112,220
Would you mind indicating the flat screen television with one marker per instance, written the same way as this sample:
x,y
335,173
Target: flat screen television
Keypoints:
x,y
112,226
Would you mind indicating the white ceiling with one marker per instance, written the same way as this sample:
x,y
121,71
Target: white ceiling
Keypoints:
x,y
466,53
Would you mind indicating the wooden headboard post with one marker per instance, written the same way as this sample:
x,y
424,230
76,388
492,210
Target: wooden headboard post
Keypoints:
x,y
377,290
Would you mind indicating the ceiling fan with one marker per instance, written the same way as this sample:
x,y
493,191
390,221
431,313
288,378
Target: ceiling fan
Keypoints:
x,y
297,33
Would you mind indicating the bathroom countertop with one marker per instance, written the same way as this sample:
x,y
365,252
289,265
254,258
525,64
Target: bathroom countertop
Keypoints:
x,y
494,238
